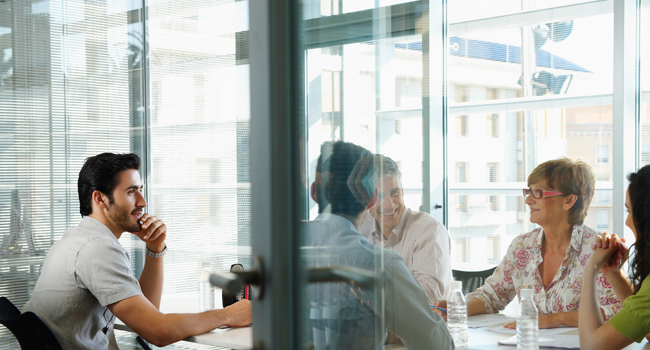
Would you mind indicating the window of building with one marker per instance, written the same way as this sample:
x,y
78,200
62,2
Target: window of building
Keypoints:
x,y
493,172
461,245
602,153
493,125
461,203
494,249
493,201
461,125
461,172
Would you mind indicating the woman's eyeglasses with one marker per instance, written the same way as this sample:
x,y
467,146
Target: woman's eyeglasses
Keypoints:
x,y
537,194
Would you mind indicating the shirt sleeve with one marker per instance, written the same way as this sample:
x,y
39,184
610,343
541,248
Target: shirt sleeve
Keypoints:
x,y
634,320
499,289
408,314
104,269
431,262
607,297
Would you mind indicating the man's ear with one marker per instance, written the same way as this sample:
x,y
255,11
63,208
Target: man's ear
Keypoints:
x,y
313,192
99,199
373,200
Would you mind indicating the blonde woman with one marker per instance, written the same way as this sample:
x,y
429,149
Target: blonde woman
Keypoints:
x,y
551,258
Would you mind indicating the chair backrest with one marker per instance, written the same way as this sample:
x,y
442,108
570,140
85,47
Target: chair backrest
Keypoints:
x,y
30,331
472,279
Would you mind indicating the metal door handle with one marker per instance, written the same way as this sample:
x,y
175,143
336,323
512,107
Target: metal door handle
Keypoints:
x,y
352,275
233,282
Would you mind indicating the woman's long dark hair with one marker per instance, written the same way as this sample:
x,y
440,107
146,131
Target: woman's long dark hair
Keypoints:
x,y
639,191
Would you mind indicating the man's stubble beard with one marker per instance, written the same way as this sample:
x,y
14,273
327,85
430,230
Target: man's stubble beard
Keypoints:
x,y
121,217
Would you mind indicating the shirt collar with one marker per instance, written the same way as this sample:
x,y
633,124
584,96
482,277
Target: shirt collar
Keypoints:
x,y
336,220
95,225
398,230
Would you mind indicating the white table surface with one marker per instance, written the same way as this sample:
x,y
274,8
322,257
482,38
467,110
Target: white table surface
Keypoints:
x,y
234,338
242,338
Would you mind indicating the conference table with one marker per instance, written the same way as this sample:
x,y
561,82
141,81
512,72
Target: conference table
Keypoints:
x,y
487,332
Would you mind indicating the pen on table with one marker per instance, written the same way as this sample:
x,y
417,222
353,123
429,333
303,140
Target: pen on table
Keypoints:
x,y
444,311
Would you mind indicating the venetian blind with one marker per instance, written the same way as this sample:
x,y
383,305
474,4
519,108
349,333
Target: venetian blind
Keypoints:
x,y
66,93
199,135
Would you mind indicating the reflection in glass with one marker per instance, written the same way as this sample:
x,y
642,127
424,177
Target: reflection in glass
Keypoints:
x,y
346,315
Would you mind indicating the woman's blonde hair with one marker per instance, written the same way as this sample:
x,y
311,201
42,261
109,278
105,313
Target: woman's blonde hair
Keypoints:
x,y
568,177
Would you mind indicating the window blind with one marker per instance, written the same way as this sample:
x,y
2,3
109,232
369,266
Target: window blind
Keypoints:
x,y
65,94
74,78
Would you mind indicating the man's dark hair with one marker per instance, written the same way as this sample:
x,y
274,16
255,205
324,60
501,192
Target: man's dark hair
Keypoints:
x,y
100,173
336,163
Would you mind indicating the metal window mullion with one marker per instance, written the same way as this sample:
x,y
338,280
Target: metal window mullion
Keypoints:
x,y
625,104
435,111
277,126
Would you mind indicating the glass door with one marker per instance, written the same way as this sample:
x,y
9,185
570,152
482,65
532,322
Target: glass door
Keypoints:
x,y
346,141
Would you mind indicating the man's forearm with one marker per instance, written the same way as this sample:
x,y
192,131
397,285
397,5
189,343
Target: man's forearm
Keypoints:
x,y
176,327
151,280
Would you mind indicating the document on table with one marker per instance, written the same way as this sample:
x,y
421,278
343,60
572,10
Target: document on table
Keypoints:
x,y
485,320
558,342
542,332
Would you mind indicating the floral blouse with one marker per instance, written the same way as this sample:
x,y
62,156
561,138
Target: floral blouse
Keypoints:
x,y
518,270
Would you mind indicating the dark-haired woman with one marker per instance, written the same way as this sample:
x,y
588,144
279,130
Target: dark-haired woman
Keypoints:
x,y
633,322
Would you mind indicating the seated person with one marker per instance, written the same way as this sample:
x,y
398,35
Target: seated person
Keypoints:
x,y
344,189
633,322
422,241
549,259
86,279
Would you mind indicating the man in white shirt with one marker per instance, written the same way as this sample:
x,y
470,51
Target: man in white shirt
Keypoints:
x,y
422,241
356,315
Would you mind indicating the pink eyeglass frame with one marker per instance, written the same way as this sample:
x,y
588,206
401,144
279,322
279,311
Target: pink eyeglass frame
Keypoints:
x,y
544,193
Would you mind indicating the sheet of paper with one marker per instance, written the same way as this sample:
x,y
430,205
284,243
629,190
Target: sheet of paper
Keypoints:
x,y
558,342
541,332
486,320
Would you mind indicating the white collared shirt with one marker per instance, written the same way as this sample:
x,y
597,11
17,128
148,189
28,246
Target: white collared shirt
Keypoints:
x,y
424,244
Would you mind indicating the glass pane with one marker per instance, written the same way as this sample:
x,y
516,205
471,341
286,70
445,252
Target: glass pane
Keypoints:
x,y
199,141
467,10
70,88
644,117
321,8
365,99
499,130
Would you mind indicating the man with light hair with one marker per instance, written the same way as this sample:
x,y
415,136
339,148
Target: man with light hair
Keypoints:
x,y
422,241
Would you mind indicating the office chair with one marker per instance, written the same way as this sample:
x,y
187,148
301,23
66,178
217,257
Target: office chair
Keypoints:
x,y
472,279
142,343
30,331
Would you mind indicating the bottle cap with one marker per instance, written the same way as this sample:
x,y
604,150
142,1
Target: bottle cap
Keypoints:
x,y
526,293
456,285
206,265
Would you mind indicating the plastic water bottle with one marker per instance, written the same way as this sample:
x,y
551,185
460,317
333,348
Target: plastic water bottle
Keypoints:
x,y
457,315
527,328
206,291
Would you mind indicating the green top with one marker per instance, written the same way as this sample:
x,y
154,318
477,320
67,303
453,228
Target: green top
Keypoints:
x,y
634,320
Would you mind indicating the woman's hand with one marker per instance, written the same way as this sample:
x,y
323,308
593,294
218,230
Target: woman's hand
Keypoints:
x,y
441,304
612,248
544,321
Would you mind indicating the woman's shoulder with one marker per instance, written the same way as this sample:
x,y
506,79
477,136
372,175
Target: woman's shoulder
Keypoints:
x,y
588,234
528,237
